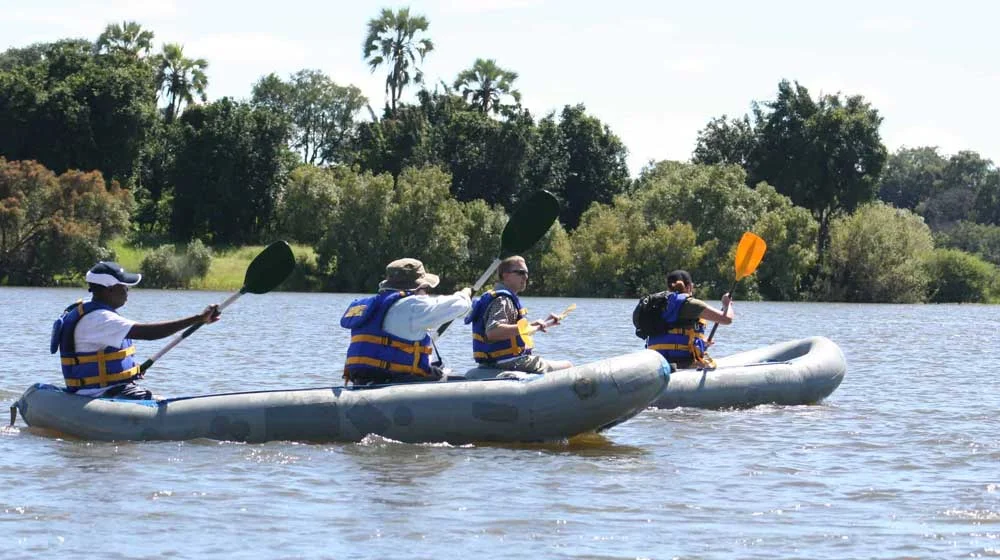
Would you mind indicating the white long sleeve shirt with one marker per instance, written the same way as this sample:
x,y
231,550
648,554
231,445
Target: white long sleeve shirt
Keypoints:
x,y
412,317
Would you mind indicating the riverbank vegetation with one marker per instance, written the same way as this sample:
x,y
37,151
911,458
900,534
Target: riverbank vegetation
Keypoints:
x,y
108,150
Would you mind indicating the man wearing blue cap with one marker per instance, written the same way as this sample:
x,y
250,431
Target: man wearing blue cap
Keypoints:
x,y
95,342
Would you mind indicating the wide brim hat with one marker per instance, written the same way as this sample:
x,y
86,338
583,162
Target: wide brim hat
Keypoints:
x,y
407,274
107,274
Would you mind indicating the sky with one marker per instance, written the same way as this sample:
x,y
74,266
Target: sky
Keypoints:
x,y
656,72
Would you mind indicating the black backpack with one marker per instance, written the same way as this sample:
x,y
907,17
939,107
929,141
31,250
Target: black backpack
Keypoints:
x,y
647,315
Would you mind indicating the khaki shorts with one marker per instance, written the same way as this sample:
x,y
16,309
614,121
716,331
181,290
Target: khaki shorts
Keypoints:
x,y
529,364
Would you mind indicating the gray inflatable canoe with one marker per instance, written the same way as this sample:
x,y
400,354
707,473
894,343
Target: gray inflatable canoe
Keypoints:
x,y
796,372
555,406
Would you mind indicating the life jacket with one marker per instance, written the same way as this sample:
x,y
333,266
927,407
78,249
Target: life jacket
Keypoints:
x,y
372,347
486,351
90,370
682,340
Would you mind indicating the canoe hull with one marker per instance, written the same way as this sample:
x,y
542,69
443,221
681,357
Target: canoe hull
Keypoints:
x,y
795,372
592,397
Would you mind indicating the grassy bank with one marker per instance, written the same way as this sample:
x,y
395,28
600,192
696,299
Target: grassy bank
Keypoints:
x,y
228,268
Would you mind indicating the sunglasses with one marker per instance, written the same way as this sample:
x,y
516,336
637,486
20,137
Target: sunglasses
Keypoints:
x,y
519,272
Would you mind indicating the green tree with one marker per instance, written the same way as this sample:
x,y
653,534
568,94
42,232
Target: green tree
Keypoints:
x,y
71,109
392,40
966,191
790,233
322,113
127,39
52,226
979,239
180,79
825,154
726,141
230,163
551,261
596,168
308,202
426,223
877,254
618,252
911,175
485,85
715,201
353,257
484,225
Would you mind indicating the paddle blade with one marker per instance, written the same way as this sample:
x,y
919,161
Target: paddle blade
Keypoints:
x,y
526,330
749,254
529,223
566,311
269,268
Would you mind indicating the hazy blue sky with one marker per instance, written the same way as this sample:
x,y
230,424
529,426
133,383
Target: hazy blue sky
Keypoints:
x,y
655,71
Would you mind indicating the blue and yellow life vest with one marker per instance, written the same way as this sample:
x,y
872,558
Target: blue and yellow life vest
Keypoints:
x,y
486,351
684,340
372,348
90,370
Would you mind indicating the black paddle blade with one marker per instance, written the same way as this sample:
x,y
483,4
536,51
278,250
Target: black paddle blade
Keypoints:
x,y
269,268
529,223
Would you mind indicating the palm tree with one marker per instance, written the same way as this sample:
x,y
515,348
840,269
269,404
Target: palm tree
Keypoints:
x,y
129,39
485,83
180,78
391,40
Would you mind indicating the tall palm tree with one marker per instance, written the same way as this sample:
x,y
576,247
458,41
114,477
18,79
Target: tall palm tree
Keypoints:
x,y
485,83
128,38
180,78
392,41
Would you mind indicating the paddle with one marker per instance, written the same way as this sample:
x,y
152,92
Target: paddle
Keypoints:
x,y
748,255
267,270
529,223
526,330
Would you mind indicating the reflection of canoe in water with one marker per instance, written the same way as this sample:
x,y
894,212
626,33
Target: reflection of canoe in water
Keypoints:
x,y
591,397
796,372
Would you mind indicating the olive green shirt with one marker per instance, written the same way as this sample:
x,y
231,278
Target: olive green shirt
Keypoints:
x,y
692,309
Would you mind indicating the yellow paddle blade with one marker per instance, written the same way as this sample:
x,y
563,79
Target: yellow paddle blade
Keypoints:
x,y
749,254
525,330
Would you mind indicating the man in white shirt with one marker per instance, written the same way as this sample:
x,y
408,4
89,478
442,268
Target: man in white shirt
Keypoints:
x,y
391,331
95,342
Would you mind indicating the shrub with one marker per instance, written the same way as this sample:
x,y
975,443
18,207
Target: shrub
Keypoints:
x,y
957,276
164,267
877,254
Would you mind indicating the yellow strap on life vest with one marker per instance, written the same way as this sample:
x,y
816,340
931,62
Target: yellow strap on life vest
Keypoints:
x,y
666,346
99,357
381,364
103,379
415,348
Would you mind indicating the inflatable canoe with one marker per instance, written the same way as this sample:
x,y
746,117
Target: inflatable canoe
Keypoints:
x,y
555,406
796,372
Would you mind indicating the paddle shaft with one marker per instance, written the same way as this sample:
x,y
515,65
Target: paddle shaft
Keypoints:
x,y
724,309
554,321
475,288
187,332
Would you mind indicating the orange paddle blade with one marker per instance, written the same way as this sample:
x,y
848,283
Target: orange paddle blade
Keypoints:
x,y
749,254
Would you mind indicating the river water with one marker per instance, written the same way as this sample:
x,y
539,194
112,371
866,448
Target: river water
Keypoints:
x,y
902,461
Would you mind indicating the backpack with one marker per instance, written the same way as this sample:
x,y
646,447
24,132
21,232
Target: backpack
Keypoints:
x,y
647,316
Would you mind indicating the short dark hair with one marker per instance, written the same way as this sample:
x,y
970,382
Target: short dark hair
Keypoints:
x,y
679,276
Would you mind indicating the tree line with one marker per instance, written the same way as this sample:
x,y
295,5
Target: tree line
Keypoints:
x,y
307,158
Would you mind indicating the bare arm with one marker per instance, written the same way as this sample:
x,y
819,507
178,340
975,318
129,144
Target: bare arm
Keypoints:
x,y
724,317
156,331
